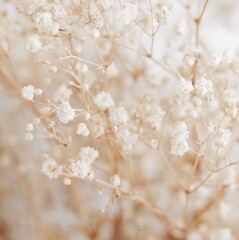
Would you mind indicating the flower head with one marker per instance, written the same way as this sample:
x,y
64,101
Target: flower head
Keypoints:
x,y
103,100
28,92
51,168
65,113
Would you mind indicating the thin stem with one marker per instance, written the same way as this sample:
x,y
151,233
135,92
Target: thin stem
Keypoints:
x,y
198,21
81,59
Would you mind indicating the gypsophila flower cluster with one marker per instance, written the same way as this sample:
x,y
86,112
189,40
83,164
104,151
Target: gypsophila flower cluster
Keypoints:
x,y
103,100
51,168
179,135
65,112
136,99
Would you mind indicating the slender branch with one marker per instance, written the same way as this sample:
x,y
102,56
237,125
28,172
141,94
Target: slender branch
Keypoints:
x,y
198,21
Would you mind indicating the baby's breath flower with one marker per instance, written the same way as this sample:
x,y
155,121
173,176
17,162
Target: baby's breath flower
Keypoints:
x,y
86,115
79,168
231,96
129,13
184,86
82,129
179,146
28,92
215,58
105,4
203,87
162,15
88,154
103,100
222,137
62,94
33,43
97,126
82,167
45,23
118,115
45,109
67,181
51,168
179,129
179,134
115,180
97,20
65,113
231,110
209,127
153,143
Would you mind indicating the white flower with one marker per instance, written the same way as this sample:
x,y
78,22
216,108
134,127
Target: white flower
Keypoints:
x,y
45,23
36,4
103,100
153,143
58,12
222,137
129,13
179,129
105,4
115,180
67,181
231,110
62,94
203,87
65,113
178,134
152,116
118,116
88,154
97,126
184,86
209,127
28,92
215,58
82,129
33,43
97,20
154,120
122,135
179,146
51,168
86,115
231,96
162,15
80,169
